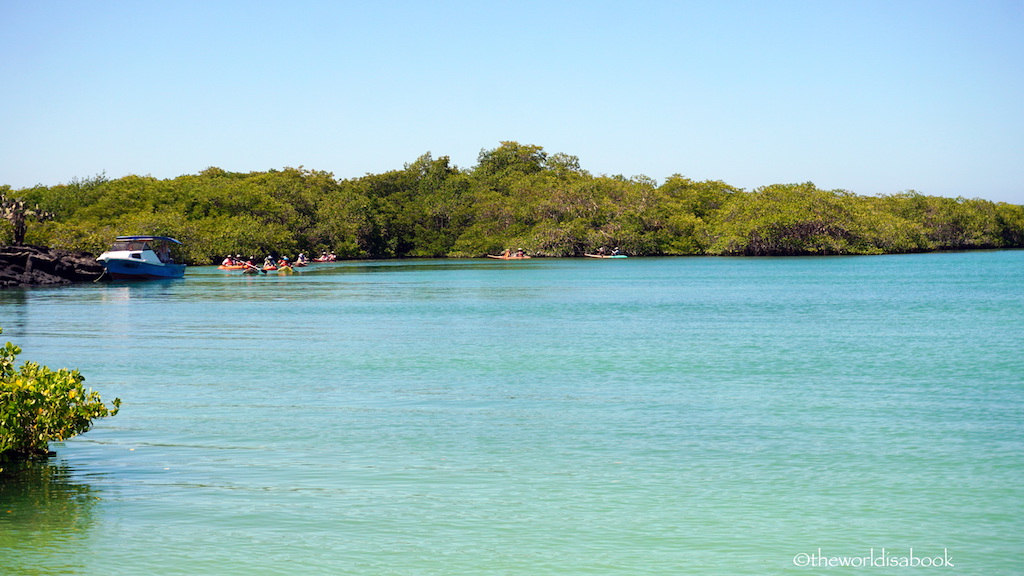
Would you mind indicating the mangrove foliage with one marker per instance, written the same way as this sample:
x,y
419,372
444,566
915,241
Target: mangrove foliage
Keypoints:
x,y
516,196
39,405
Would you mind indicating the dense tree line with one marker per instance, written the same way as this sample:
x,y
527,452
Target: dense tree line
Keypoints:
x,y
516,196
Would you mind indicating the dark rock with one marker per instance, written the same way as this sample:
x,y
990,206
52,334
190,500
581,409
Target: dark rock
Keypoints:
x,y
40,266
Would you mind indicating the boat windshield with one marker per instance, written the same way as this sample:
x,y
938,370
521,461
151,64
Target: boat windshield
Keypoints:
x,y
120,246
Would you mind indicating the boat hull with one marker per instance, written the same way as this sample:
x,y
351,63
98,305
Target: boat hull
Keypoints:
x,y
131,269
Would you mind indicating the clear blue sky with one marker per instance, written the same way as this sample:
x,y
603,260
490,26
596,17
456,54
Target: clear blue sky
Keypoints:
x,y
872,96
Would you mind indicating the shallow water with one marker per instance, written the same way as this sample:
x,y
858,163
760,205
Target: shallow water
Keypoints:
x,y
638,416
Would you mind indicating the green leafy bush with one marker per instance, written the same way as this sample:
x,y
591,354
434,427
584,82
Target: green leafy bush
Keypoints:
x,y
39,406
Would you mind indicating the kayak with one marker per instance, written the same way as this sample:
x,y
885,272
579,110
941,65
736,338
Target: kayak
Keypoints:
x,y
232,267
508,257
285,270
605,255
269,268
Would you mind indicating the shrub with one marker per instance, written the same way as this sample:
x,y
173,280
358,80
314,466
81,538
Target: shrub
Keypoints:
x,y
39,406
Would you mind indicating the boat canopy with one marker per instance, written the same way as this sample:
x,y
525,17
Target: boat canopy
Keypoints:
x,y
146,239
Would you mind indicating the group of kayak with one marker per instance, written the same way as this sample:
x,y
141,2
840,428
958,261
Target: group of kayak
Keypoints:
x,y
286,266
282,266
603,252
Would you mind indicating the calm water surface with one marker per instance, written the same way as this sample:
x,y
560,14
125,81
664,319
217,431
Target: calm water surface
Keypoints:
x,y
640,416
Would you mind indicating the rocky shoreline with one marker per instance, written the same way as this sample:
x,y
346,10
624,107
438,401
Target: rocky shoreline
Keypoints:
x,y
40,266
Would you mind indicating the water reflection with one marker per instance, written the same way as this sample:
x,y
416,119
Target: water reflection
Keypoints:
x,y
45,520
15,314
115,294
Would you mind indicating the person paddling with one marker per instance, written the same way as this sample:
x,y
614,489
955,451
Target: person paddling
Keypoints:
x,y
252,268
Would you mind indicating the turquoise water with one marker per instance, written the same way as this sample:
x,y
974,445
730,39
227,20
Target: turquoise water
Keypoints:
x,y
639,416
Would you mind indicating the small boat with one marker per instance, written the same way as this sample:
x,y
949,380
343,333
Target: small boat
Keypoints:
x,y
500,257
510,255
231,267
141,258
606,256
285,269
